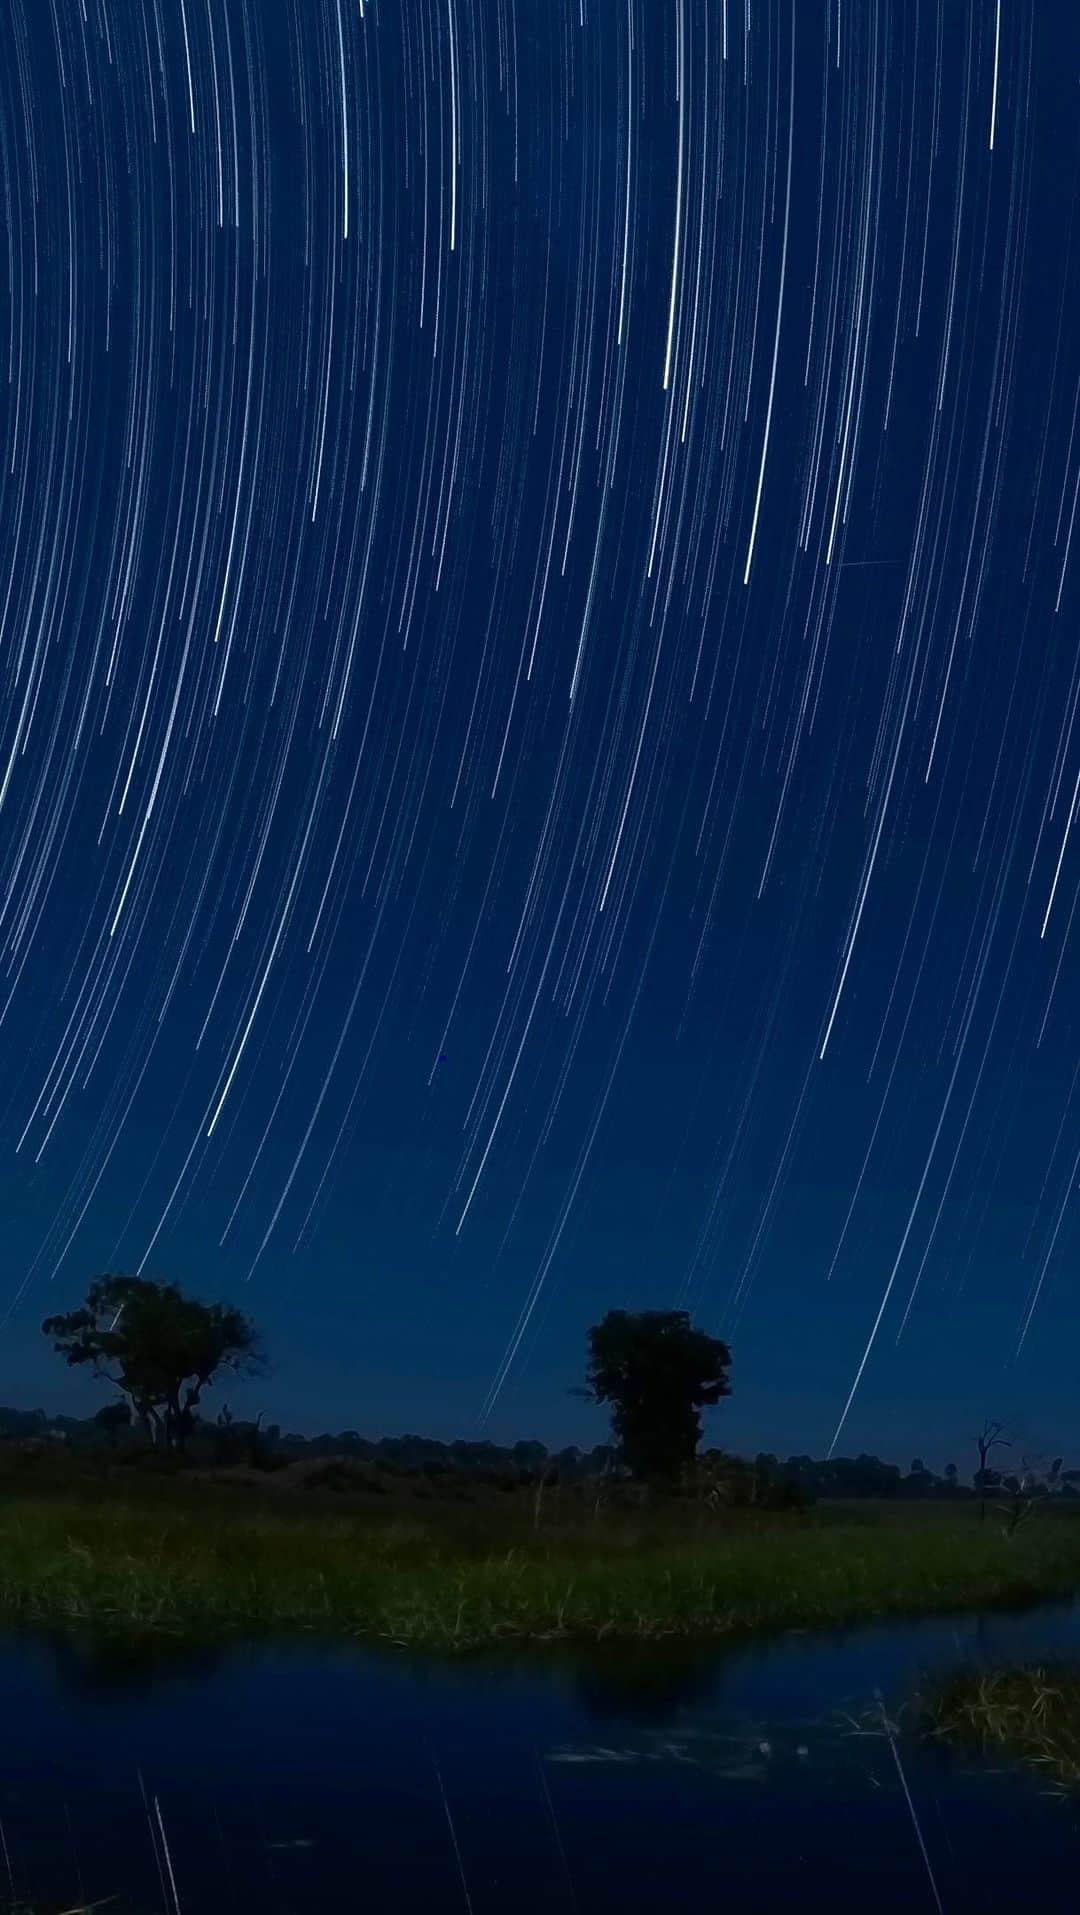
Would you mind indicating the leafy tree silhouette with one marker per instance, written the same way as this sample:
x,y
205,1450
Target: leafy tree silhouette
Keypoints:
x,y
160,1348
657,1371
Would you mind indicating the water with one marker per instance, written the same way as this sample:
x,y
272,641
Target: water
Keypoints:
x,y
298,1778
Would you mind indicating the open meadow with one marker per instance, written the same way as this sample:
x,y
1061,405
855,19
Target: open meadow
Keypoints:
x,y
463,1567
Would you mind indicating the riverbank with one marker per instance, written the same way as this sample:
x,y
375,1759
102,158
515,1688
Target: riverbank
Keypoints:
x,y
1029,1714
176,1559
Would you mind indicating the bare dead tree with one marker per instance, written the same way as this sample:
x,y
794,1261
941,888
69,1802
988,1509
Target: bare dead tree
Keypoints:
x,y
991,1436
1034,1483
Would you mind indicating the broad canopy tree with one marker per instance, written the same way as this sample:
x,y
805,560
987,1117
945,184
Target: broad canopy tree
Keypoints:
x,y
657,1371
160,1348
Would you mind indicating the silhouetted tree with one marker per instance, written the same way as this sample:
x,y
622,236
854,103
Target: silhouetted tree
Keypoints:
x,y
920,1481
656,1371
529,1455
985,1478
22,1423
160,1348
860,1476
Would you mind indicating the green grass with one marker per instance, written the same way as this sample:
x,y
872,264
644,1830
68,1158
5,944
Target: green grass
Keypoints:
x,y
167,1558
1030,1714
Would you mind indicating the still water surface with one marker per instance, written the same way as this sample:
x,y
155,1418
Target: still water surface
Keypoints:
x,y
300,1779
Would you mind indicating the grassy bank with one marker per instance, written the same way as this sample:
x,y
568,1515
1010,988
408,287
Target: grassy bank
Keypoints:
x,y
167,1558
1030,1714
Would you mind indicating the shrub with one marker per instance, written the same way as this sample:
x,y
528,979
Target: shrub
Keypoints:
x,y
340,1475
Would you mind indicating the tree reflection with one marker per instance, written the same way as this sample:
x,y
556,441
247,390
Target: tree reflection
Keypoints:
x,y
107,1665
646,1683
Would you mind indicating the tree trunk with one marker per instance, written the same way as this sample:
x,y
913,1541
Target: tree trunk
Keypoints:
x,y
171,1423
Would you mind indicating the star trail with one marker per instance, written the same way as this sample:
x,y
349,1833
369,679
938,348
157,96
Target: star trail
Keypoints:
x,y
539,683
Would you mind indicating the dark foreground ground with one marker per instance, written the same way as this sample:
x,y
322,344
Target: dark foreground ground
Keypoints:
x,y
455,1565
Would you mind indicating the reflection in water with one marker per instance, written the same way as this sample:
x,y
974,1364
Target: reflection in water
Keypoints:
x,y
94,1665
108,1905
299,1779
671,1698
112,1903
646,1684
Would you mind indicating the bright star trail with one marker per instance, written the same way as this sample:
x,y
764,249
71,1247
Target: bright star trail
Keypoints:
x,y
539,686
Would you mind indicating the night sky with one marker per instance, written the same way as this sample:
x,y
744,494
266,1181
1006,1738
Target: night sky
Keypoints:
x,y
539,690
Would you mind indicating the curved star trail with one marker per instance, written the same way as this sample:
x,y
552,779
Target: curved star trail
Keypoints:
x,y
539,667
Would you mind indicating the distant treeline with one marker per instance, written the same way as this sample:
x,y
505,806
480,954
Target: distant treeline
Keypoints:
x,y
228,1440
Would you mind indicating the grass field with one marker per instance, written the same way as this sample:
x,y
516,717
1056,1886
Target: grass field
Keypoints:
x,y
167,1557
1031,1714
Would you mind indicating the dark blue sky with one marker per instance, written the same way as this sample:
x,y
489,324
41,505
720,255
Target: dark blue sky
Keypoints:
x,y
538,698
